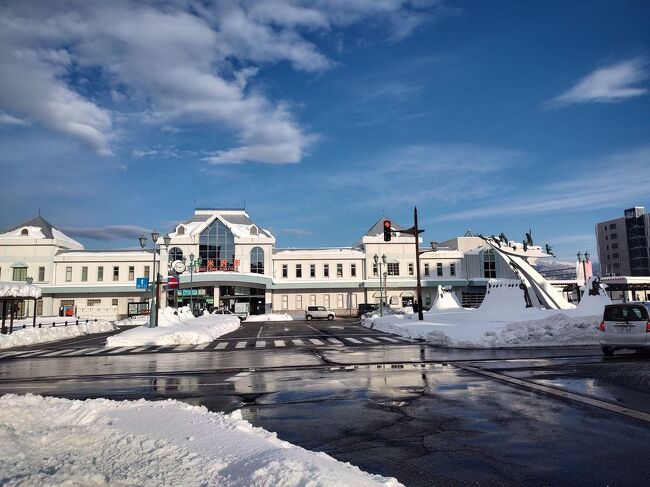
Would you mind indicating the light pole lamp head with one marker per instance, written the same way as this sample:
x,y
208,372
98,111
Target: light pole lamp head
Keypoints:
x,y
579,256
143,241
191,258
29,280
376,259
434,246
167,240
383,258
587,256
155,236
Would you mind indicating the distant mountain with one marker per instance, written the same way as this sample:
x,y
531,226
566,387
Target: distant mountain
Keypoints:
x,y
556,269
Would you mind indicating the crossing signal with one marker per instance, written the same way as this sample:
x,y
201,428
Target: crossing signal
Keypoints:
x,y
387,233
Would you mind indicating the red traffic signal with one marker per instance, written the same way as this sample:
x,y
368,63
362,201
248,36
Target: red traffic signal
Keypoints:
x,y
387,234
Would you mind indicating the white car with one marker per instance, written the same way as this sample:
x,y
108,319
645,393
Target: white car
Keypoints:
x,y
625,326
322,312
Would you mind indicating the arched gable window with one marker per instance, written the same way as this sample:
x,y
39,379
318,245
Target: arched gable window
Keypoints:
x,y
24,231
180,230
175,253
216,244
257,260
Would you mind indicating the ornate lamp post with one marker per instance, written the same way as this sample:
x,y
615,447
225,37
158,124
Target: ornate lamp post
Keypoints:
x,y
192,282
583,261
155,304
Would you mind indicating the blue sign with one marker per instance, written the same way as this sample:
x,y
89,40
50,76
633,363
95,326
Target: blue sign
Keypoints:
x,y
142,283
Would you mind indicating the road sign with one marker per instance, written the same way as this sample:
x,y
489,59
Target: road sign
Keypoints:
x,y
142,283
172,282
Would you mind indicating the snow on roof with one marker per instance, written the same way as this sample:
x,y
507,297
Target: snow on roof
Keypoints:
x,y
39,228
318,251
19,290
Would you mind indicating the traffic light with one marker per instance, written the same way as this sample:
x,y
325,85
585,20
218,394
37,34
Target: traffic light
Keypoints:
x,y
387,233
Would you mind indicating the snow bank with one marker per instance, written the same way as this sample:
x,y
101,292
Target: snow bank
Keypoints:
x,y
31,336
52,441
502,320
445,301
181,328
593,304
270,317
19,290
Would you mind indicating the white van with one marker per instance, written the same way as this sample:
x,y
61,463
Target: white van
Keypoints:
x,y
319,312
625,326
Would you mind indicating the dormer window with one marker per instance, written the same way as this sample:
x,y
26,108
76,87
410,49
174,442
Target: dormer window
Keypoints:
x,y
180,230
254,230
24,232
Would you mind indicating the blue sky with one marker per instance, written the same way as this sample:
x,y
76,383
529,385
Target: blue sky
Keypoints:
x,y
320,116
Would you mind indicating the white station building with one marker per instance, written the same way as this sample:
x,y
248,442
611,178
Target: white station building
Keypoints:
x,y
237,265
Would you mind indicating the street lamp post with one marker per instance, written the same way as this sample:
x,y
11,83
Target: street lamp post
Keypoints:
x,y
583,261
155,301
191,282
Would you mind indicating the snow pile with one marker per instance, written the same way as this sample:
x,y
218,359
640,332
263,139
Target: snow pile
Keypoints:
x,y
270,317
593,305
177,327
133,321
52,441
31,336
445,301
502,320
19,290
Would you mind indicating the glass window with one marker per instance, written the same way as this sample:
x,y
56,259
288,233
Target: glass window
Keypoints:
x,y
285,301
612,226
216,244
131,273
312,299
100,274
614,246
375,270
84,274
489,264
285,270
353,270
326,270
20,273
68,274
299,301
116,273
93,302
411,269
613,236
175,253
439,269
393,268
339,301
312,270
39,307
326,301
115,301
257,260
452,269
146,271
426,269
41,274
298,271
339,270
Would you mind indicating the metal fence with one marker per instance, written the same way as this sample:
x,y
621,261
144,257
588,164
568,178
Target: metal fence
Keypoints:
x,y
52,324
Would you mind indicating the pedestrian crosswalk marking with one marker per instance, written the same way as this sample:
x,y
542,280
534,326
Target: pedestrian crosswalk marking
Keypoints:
x,y
117,350
55,353
315,341
298,342
389,339
371,340
203,346
221,345
241,344
279,343
260,344
351,340
80,351
139,349
335,341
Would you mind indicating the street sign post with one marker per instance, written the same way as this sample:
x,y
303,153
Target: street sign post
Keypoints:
x,y
142,283
172,282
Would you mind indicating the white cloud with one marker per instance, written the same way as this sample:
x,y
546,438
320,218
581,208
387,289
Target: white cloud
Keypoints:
x,y
613,83
108,232
616,180
176,59
7,119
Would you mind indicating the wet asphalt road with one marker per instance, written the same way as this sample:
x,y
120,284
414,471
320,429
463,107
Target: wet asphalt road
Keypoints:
x,y
395,408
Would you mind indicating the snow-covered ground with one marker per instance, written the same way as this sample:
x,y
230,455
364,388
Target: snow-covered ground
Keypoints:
x,y
177,327
273,317
48,333
52,441
501,321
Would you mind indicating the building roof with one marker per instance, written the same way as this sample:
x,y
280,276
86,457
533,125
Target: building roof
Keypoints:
x,y
39,227
378,228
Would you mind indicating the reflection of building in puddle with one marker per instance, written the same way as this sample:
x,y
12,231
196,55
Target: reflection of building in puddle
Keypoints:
x,y
171,385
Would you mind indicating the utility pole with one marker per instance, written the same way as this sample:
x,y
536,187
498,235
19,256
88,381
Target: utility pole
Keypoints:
x,y
417,261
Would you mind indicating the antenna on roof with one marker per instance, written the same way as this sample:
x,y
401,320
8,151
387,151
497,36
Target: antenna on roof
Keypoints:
x,y
39,212
244,203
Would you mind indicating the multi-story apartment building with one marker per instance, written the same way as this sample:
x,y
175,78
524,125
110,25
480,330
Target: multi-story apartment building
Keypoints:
x,y
623,244
223,258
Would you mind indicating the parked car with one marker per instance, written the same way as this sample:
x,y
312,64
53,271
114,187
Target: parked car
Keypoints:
x,y
625,326
314,312
226,311
366,308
